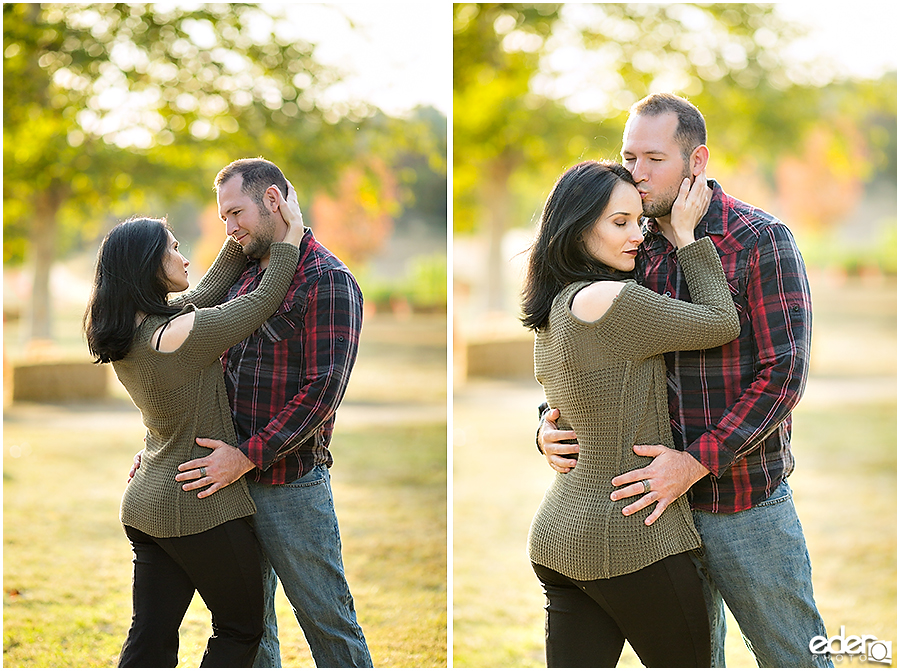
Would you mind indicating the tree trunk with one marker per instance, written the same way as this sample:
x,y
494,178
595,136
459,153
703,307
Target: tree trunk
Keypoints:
x,y
498,201
43,253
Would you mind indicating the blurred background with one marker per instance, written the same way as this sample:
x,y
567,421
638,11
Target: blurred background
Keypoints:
x,y
800,102
112,110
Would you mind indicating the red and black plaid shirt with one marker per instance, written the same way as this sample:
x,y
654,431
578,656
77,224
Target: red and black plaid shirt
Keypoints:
x,y
286,380
730,407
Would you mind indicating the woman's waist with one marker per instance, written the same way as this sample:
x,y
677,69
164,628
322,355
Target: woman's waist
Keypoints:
x,y
574,517
157,487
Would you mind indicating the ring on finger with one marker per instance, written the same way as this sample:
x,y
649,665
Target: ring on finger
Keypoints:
x,y
646,484
203,471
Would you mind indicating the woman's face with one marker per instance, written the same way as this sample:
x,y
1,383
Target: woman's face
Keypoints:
x,y
615,236
175,266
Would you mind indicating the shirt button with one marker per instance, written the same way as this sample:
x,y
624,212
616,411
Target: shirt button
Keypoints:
x,y
669,294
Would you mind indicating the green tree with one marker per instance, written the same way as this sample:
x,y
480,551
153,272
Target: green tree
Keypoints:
x,y
499,125
515,124
106,105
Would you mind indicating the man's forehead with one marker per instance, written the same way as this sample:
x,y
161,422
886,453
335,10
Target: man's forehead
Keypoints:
x,y
643,131
229,192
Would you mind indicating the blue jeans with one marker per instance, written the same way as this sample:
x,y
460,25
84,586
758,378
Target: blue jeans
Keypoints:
x,y
756,561
299,535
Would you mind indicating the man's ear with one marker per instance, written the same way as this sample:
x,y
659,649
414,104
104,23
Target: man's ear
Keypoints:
x,y
699,159
272,199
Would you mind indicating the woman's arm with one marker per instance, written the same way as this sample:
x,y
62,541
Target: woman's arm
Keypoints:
x,y
642,323
592,302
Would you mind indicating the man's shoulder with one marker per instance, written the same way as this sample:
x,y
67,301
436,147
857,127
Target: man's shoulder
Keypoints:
x,y
317,264
316,259
743,222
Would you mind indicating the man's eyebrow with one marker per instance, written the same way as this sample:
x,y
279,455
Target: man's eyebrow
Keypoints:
x,y
661,152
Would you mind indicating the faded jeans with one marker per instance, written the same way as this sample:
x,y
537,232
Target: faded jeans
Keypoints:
x,y
298,531
756,561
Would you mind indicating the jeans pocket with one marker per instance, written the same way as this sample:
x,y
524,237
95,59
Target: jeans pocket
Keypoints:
x,y
311,479
781,494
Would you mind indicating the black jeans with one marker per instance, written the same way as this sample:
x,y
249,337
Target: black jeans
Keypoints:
x,y
660,610
223,564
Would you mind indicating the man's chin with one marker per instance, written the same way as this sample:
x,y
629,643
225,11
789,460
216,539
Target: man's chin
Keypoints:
x,y
655,211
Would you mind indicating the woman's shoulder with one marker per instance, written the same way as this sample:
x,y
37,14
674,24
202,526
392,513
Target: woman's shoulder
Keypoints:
x,y
173,332
591,300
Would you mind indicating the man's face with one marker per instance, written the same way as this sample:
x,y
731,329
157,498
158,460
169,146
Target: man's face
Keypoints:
x,y
653,157
250,224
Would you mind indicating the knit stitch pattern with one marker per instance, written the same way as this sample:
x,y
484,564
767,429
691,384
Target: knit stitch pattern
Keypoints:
x,y
608,379
182,396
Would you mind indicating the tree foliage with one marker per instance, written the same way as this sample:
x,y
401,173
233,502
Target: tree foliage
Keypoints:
x,y
539,87
116,109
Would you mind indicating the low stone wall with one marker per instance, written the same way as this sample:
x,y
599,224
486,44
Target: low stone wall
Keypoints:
x,y
50,382
500,358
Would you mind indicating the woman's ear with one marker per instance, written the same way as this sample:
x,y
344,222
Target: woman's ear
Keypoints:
x,y
699,159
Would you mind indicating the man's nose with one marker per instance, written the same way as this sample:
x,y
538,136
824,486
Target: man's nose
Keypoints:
x,y
639,171
231,226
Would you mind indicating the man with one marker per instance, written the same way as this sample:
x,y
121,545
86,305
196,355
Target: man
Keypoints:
x,y
730,406
285,382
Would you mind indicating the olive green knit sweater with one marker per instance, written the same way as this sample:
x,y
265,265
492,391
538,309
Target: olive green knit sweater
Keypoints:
x,y
608,379
182,396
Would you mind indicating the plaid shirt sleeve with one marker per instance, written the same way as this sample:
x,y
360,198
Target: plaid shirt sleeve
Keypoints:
x,y
780,312
330,338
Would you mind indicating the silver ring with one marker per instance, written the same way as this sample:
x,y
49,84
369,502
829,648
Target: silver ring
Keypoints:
x,y
203,472
646,484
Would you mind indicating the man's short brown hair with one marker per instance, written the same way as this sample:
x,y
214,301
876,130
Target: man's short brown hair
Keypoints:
x,y
691,130
258,175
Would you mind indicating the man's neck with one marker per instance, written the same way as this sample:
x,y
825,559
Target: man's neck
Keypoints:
x,y
280,235
664,224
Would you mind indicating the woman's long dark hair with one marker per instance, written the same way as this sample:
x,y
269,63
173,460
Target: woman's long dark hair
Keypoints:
x,y
559,255
129,279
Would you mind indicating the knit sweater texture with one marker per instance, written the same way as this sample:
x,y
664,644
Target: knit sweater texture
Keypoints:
x,y
608,379
182,396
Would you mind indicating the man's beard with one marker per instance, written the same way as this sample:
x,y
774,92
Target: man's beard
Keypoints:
x,y
662,205
264,236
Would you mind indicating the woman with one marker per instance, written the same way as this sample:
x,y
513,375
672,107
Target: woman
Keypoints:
x,y
166,354
598,354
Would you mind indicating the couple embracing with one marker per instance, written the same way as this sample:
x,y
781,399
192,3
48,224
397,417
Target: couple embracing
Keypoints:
x,y
672,338
282,316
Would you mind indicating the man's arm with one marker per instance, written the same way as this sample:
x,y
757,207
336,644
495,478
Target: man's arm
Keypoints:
x,y
780,310
330,339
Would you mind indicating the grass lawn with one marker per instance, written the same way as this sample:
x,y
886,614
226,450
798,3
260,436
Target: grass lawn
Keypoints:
x,y
67,564
845,491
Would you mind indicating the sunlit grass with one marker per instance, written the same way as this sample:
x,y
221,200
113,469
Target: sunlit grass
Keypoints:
x,y
844,490
67,564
